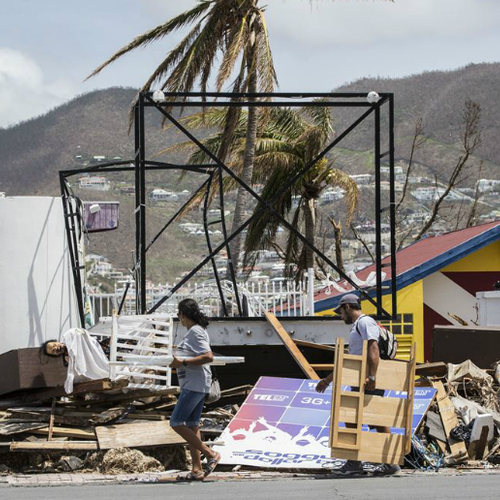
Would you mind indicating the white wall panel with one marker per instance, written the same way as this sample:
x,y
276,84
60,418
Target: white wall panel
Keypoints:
x,y
37,300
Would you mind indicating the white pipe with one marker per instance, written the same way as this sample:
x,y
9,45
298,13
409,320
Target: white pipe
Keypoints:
x,y
112,345
310,290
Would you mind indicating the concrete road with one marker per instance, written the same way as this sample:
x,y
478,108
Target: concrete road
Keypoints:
x,y
423,487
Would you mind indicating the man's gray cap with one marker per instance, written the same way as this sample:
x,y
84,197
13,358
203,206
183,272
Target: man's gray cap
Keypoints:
x,y
350,298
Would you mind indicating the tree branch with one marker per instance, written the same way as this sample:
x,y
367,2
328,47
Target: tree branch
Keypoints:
x,y
471,140
362,241
417,142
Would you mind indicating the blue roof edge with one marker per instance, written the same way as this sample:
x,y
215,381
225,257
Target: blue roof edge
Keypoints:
x,y
417,273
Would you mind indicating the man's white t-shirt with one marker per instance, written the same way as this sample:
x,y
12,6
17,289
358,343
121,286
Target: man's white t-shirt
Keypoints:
x,y
364,328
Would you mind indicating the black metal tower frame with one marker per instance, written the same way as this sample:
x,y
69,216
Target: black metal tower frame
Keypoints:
x,y
216,170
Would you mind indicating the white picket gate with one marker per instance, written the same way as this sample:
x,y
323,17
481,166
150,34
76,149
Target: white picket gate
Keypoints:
x,y
141,349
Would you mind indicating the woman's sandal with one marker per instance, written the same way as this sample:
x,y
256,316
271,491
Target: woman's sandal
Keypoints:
x,y
210,466
191,476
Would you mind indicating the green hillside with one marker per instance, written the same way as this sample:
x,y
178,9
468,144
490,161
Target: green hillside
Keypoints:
x,y
96,124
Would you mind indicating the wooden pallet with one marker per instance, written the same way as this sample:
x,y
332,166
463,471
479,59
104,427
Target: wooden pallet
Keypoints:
x,y
357,408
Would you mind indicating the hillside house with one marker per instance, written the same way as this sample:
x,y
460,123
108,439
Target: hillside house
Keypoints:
x,y
363,179
96,183
432,193
485,185
163,195
384,170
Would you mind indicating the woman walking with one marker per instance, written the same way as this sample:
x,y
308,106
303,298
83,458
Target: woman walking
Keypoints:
x,y
195,377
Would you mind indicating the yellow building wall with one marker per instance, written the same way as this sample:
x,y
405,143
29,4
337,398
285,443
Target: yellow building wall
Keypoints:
x,y
410,301
486,259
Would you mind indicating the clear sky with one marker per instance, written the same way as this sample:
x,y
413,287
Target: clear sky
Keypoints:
x,y
48,47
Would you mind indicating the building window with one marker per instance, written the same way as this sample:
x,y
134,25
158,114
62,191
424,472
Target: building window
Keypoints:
x,y
402,324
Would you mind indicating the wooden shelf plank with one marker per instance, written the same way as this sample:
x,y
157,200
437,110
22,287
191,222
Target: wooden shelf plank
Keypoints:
x,y
322,367
377,410
375,447
391,375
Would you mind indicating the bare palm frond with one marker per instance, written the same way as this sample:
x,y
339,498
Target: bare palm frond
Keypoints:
x,y
265,64
202,50
157,33
236,45
173,58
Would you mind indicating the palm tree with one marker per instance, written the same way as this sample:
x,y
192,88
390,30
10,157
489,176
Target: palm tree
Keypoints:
x,y
292,140
236,30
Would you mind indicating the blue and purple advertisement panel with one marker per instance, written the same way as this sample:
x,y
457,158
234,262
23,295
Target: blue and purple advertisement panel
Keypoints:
x,y
285,423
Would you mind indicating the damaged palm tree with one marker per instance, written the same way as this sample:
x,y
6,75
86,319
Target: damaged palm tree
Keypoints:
x,y
292,140
235,30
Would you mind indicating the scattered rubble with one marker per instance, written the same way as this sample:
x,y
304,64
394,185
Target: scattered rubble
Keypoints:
x,y
462,426
98,428
105,428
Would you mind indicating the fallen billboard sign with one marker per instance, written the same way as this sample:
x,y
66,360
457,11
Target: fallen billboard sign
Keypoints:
x,y
285,423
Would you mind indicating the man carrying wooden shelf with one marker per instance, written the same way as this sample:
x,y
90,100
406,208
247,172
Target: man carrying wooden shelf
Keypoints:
x,y
364,328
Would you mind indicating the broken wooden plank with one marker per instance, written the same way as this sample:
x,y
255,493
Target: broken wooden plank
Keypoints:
x,y
66,432
135,435
54,445
237,390
434,426
107,415
323,347
437,369
84,387
292,348
450,421
130,395
145,416
33,416
9,428
51,420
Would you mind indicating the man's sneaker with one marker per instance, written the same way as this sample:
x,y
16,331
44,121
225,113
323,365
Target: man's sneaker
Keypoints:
x,y
386,470
350,468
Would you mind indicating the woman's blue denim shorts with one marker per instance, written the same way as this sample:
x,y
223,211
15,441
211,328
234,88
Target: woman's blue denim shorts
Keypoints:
x,y
188,409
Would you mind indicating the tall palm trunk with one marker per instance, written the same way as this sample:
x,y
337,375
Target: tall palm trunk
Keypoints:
x,y
246,176
310,220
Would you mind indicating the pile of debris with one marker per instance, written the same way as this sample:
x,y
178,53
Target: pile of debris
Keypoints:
x,y
98,427
462,426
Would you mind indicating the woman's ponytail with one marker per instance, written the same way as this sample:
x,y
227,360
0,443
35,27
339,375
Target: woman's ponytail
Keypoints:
x,y
191,310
